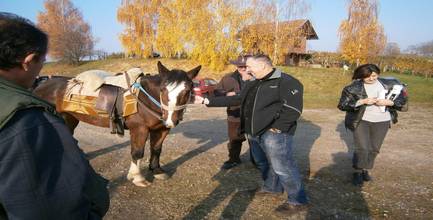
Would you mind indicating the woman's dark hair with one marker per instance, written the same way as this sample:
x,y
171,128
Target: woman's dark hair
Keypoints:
x,y
19,37
365,71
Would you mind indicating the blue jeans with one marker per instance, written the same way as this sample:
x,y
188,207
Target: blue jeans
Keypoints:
x,y
273,155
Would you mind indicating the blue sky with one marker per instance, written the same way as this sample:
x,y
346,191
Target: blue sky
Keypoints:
x,y
405,22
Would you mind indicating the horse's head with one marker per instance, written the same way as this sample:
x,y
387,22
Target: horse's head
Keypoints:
x,y
175,89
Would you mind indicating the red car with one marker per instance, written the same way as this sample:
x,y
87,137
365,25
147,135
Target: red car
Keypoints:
x,y
204,87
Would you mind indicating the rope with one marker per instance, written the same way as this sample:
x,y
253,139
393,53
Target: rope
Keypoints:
x,y
138,86
151,111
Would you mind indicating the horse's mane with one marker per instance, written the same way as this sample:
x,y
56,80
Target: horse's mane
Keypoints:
x,y
175,76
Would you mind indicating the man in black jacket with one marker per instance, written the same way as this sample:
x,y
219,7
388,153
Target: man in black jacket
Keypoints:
x,y
270,107
43,173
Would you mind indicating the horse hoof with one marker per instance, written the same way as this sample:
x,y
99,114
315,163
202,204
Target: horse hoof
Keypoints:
x,y
141,183
130,177
161,176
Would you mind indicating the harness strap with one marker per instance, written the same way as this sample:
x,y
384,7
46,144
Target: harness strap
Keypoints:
x,y
173,108
151,111
138,86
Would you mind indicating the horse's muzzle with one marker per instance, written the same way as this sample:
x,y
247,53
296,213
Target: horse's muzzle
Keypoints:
x,y
170,124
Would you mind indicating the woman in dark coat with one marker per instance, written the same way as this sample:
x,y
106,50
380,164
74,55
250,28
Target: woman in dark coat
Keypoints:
x,y
368,115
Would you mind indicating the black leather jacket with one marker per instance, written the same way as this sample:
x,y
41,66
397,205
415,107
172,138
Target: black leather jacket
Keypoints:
x,y
355,91
278,103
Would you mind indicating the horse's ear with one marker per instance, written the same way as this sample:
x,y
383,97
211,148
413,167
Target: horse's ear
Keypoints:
x,y
193,73
162,69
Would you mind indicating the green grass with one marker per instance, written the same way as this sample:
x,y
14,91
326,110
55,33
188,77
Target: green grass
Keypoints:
x,y
420,88
322,86
119,65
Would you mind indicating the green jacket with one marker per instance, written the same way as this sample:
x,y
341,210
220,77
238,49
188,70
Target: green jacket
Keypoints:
x,y
14,98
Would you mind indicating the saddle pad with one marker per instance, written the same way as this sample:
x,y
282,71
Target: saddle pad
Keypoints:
x,y
75,87
92,79
86,105
122,81
88,83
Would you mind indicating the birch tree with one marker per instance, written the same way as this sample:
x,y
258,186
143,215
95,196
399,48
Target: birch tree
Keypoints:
x,y
140,18
70,36
203,30
362,37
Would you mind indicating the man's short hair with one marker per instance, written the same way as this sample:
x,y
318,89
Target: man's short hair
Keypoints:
x,y
19,37
262,58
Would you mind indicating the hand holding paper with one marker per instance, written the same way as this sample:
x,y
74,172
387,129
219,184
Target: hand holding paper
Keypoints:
x,y
396,89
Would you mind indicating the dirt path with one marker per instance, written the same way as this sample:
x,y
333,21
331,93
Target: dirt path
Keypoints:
x,y
198,189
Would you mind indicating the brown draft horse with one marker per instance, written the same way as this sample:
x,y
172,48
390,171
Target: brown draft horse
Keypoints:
x,y
171,87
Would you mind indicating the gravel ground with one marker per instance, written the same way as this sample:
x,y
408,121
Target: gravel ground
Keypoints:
x,y
402,187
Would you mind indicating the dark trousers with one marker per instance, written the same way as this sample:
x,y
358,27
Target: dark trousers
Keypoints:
x,y
368,137
235,141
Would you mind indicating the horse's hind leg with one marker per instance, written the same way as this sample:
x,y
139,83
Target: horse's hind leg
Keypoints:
x,y
156,139
138,141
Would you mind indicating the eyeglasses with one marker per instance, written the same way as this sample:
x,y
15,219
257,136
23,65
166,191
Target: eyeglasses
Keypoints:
x,y
242,67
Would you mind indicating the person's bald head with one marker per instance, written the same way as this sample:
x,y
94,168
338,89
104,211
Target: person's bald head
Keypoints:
x,y
259,65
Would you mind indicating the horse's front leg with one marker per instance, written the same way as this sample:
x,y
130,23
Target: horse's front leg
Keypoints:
x,y
156,139
138,141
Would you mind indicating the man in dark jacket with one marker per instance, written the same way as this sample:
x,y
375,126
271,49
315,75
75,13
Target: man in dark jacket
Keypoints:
x,y
270,107
232,84
43,173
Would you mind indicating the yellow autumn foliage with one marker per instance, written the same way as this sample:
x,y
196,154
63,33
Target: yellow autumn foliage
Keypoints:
x,y
412,64
206,31
70,36
362,36
139,16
